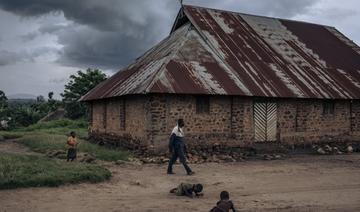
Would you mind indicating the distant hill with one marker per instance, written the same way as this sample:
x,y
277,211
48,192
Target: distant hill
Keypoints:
x,y
22,96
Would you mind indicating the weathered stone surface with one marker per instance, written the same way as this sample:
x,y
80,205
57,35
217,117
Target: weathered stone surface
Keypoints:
x,y
149,120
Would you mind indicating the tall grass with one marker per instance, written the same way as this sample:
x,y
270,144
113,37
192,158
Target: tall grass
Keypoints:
x,y
44,137
62,123
10,135
35,171
43,142
60,127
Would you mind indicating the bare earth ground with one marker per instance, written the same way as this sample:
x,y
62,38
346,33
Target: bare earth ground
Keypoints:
x,y
301,183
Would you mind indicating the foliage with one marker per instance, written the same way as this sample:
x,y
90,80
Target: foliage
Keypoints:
x,y
23,114
40,98
3,99
3,105
79,85
20,171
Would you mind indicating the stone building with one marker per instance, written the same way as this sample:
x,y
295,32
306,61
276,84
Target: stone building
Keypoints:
x,y
237,80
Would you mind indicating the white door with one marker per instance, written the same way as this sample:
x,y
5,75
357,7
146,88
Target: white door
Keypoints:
x,y
265,119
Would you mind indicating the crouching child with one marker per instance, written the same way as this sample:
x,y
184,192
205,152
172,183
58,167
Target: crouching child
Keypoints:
x,y
225,204
187,189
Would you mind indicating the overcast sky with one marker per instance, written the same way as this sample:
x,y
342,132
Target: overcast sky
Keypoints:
x,y
42,42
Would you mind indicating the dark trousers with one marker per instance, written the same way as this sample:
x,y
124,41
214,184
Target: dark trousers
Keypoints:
x,y
178,152
71,154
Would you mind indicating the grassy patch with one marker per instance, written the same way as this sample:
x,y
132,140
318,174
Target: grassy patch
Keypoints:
x,y
64,123
49,136
59,127
10,135
33,171
44,142
104,153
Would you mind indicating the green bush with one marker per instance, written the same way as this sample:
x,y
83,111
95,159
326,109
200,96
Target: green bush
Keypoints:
x,y
34,171
104,153
62,123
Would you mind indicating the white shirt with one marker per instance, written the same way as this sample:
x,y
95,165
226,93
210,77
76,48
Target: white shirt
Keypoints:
x,y
178,131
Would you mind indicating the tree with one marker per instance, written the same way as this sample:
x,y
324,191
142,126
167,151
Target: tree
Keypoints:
x,y
51,95
79,85
3,105
52,103
40,99
3,100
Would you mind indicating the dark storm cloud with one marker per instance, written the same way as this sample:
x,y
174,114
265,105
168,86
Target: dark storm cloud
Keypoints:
x,y
91,12
109,34
30,36
106,34
10,58
7,57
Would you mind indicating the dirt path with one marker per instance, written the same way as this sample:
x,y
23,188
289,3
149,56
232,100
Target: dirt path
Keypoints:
x,y
306,183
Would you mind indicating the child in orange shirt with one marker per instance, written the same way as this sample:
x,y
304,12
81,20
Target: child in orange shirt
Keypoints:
x,y
71,146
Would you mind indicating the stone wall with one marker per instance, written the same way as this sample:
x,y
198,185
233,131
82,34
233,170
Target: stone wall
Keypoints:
x,y
229,120
148,121
121,120
242,120
97,119
304,121
355,118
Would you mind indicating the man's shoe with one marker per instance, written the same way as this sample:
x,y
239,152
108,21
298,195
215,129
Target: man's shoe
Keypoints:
x,y
170,173
191,173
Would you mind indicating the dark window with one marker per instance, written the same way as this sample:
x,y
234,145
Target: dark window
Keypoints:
x,y
122,114
328,107
202,104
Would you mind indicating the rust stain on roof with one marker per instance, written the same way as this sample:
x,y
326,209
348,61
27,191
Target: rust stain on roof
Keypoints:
x,y
226,53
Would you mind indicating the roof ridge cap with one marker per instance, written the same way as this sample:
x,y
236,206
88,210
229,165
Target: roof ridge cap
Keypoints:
x,y
260,16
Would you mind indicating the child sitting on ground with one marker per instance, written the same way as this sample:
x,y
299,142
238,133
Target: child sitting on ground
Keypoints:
x,y
225,204
187,189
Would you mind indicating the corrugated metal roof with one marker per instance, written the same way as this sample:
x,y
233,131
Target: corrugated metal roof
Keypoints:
x,y
227,53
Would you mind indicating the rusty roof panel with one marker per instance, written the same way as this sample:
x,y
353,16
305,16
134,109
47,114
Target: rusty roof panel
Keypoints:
x,y
227,53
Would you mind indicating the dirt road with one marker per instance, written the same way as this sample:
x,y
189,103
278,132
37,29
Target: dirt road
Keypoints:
x,y
302,183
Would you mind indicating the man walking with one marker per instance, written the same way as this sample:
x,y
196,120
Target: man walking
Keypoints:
x,y
177,148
